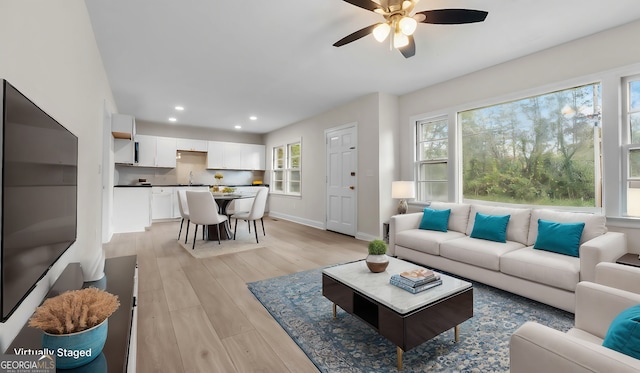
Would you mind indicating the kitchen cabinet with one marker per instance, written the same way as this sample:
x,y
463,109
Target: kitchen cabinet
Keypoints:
x,y
235,156
191,145
131,209
123,128
162,203
156,151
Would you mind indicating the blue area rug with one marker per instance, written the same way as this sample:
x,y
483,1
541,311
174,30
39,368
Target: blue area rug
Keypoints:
x,y
346,344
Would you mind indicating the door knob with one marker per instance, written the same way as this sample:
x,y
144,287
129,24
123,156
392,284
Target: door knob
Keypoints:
x,y
352,187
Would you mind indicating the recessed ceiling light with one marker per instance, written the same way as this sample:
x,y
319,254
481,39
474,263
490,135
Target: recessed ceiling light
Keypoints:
x,y
238,126
253,117
172,119
179,108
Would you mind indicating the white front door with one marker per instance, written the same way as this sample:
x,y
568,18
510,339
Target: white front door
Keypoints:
x,y
341,180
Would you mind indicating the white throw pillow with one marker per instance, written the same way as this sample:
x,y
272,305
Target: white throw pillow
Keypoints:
x,y
459,216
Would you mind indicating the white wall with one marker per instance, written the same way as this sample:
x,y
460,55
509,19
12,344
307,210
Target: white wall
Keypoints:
x,y
371,113
605,57
49,53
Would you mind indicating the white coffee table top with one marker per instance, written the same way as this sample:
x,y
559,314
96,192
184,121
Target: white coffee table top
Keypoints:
x,y
376,285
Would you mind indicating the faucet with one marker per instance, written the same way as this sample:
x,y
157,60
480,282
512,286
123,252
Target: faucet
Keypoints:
x,y
190,178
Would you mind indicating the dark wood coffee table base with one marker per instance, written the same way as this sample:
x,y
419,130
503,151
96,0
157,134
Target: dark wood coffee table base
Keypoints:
x,y
406,331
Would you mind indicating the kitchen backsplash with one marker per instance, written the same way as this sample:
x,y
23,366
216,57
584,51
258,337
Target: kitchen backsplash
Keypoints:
x,y
188,162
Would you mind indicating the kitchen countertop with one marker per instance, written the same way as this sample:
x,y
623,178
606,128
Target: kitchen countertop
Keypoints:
x,y
185,185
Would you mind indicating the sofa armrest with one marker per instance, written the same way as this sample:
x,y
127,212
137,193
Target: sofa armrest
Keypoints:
x,y
537,348
399,223
618,276
606,248
597,305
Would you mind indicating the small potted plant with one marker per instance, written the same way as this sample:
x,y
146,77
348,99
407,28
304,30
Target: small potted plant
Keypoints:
x,y
377,260
75,325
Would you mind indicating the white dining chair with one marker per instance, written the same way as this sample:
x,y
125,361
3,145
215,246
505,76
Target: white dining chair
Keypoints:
x,y
203,210
184,212
256,212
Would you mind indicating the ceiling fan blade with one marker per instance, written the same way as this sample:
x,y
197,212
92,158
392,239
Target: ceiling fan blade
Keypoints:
x,y
408,50
364,4
451,16
355,36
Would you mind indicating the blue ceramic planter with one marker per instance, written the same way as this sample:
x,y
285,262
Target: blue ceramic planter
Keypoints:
x,y
77,349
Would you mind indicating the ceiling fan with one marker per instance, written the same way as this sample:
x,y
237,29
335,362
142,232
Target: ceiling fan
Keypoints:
x,y
402,25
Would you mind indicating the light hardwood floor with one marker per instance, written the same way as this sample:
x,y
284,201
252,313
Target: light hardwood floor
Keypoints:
x,y
197,315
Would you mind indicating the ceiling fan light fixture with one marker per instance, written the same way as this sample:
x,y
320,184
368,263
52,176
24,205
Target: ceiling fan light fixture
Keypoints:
x,y
400,40
408,25
381,32
406,4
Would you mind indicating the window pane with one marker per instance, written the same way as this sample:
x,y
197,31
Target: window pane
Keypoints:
x,y
294,187
278,175
294,156
433,171
277,186
634,95
294,176
634,122
539,150
278,157
433,150
634,163
433,191
433,130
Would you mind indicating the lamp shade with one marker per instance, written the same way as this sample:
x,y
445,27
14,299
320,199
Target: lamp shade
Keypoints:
x,y
403,189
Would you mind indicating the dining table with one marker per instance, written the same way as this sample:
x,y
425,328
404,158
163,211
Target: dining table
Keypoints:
x,y
223,200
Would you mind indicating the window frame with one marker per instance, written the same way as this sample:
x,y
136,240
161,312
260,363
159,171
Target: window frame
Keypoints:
x,y
286,170
627,145
419,162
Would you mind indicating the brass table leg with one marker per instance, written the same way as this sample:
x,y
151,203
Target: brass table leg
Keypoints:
x,y
399,353
334,310
456,332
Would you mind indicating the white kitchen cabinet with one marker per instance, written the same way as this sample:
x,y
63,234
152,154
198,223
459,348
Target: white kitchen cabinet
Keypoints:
x,y
191,145
123,126
131,209
235,156
166,152
146,150
123,151
162,203
156,151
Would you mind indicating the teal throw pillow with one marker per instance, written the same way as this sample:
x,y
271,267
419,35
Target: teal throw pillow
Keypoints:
x,y
624,333
561,238
435,220
490,227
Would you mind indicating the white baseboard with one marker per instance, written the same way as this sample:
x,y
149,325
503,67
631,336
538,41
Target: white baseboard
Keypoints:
x,y
366,236
296,219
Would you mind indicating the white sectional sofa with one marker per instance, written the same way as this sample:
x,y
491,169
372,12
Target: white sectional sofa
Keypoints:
x,y
514,265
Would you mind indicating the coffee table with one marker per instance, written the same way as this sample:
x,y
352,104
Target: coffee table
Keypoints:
x,y
405,319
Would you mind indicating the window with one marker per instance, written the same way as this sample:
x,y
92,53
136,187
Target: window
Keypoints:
x,y
286,169
541,150
431,159
631,150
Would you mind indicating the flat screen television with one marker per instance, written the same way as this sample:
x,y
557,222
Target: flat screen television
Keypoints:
x,y
39,195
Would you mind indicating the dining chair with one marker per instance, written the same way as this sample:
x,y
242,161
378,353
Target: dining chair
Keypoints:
x,y
203,210
256,212
184,212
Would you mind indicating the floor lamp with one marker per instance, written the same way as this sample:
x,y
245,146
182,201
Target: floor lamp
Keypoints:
x,y
403,190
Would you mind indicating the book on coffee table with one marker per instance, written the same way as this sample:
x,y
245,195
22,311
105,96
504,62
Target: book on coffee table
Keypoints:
x,y
419,276
396,281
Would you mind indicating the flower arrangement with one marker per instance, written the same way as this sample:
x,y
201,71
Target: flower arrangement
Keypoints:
x,y
218,176
228,190
74,311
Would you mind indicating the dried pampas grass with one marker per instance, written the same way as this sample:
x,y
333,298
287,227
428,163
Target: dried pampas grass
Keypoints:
x,y
74,311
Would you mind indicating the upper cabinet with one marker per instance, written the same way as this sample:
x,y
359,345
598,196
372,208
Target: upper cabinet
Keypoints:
x,y
123,128
192,145
235,156
156,151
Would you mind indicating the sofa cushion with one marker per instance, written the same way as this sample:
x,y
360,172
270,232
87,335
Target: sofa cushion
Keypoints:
x,y
518,227
545,267
435,220
425,241
480,253
594,224
459,216
490,227
624,333
561,238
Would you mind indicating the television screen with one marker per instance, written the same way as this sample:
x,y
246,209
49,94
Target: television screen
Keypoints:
x,y
39,195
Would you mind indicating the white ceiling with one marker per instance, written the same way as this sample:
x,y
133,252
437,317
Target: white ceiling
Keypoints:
x,y
227,60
